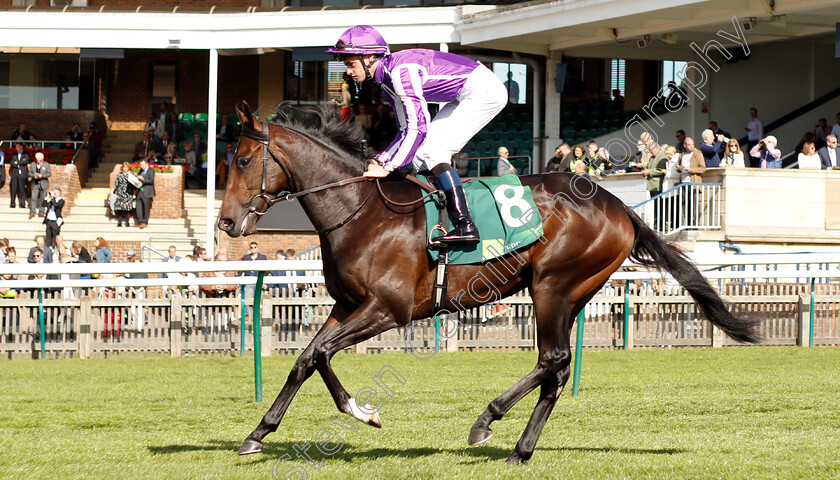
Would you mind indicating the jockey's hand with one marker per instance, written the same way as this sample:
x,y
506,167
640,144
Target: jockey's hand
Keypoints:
x,y
375,170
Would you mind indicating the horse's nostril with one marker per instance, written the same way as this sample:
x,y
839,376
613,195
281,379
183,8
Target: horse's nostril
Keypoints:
x,y
226,224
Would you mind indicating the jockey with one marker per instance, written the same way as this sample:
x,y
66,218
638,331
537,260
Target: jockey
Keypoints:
x,y
410,79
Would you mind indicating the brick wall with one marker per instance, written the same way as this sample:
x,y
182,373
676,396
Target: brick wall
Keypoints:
x,y
65,177
169,192
269,243
128,104
45,124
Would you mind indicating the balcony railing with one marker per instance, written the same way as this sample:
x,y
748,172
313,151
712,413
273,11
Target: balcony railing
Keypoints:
x,y
688,206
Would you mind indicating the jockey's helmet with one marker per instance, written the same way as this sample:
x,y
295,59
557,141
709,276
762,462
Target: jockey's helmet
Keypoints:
x,y
360,40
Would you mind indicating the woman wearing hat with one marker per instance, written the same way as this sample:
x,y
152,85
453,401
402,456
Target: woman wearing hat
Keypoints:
x,y
768,154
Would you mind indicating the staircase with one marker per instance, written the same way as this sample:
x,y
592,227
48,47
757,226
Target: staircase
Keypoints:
x,y
89,217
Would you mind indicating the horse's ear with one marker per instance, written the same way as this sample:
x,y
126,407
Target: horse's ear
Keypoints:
x,y
245,115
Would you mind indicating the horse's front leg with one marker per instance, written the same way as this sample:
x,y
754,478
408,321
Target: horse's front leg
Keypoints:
x,y
340,331
304,368
369,320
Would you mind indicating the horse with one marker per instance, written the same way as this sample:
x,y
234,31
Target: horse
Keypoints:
x,y
377,268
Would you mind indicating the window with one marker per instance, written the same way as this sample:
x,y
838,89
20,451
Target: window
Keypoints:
x,y
48,82
670,71
514,75
617,76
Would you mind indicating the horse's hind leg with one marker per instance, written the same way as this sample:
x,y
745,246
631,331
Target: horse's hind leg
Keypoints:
x,y
547,365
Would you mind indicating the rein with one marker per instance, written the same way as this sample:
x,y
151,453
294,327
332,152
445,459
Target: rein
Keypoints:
x,y
287,195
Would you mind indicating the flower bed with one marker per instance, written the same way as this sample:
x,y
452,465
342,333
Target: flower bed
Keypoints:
x,y
135,168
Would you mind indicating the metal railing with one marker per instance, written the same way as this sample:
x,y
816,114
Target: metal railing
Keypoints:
x,y
688,206
149,249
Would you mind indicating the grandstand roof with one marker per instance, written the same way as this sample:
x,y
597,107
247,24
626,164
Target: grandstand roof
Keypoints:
x,y
611,28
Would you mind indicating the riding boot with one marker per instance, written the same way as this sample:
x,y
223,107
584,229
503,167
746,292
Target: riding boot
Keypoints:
x,y
464,231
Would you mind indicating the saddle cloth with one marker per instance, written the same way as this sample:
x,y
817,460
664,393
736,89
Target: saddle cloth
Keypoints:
x,y
503,210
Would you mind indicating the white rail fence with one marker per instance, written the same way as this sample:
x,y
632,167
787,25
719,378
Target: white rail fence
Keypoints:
x,y
126,317
688,206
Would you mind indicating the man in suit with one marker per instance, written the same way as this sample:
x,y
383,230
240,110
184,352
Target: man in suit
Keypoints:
x,y
53,219
830,153
145,149
89,145
146,193
40,245
18,172
39,175
225,132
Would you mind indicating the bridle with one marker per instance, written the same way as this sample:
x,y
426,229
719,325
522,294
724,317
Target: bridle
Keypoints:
x,y
285,195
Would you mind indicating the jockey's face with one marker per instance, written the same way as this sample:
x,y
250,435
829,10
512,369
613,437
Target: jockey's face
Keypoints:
x,y
356,69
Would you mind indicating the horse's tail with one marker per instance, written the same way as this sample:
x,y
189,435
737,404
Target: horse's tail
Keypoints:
x,y
651,251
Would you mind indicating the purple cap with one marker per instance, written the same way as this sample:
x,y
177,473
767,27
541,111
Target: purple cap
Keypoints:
x,y
360,40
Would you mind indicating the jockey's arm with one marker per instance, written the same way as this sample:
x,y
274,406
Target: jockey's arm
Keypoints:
x,y
412,116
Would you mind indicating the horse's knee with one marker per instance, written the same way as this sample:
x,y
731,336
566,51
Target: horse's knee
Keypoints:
x,y
555,362
303,368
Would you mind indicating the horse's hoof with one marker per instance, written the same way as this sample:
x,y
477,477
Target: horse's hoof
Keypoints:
x,y
250,446
361,414
479,436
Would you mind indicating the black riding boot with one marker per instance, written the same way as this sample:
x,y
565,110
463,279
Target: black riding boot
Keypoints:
x,y
464,231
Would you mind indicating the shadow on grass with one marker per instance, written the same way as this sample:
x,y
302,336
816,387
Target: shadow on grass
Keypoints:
x,y
273,450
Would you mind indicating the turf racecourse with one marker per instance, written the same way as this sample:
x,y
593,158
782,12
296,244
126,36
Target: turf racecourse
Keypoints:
x,y
757,412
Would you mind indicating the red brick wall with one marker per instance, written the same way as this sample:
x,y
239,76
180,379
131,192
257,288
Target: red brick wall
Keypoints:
x,y
65,177
45,124
169,193
131,87
269,243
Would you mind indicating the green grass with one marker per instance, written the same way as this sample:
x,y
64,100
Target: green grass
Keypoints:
x,y
759,412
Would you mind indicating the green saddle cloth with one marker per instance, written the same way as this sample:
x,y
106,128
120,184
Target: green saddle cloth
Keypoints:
x,y
503,210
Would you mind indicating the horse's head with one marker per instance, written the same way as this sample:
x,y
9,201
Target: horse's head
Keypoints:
x,y
257,175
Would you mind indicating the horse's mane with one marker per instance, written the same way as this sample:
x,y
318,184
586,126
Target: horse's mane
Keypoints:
x,y
323,121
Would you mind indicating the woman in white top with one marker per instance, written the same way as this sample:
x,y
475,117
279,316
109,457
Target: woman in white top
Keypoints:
x,y
732,156
808,158
672,176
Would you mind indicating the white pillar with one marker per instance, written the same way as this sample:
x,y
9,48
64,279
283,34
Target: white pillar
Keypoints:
x,y
212,100
552,105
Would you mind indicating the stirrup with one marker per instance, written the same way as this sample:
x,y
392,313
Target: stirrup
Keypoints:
x,y
434,242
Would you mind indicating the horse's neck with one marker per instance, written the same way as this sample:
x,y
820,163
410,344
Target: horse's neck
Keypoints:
x,y
328,207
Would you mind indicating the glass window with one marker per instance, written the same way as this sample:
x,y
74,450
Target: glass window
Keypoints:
x,y
515,76
670,71
617,76
48,82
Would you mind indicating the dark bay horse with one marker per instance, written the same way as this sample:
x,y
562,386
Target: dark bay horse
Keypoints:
x,y
379,273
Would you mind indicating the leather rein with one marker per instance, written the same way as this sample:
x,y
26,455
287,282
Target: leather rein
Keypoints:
x,y
285,195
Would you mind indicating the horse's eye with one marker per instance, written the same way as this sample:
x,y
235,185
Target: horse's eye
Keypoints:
x,y
243,162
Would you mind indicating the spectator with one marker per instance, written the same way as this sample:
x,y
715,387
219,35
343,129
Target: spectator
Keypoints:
x,y
821,131
618,99
75,133
503,165
655,171
512,88
200,160
40,244
200,254
830,154
11,323
151,125
461,164
18,171
102,253
285,289
808,158
96,136
343,100
562,159
39,175
189,162
125,192
138,292
680,146
4,247
38,256
732,155
672,175
835,129
68,143
755,131
144,149
806,137
640,158
223,160
712,147
173,255
598,157
253,255
581,163
175,128
162,147
22,134
90,146
163,119
225,132
53,203
768,154
692,164
713,126
146,194
80,253
219,291
171,157
58,247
